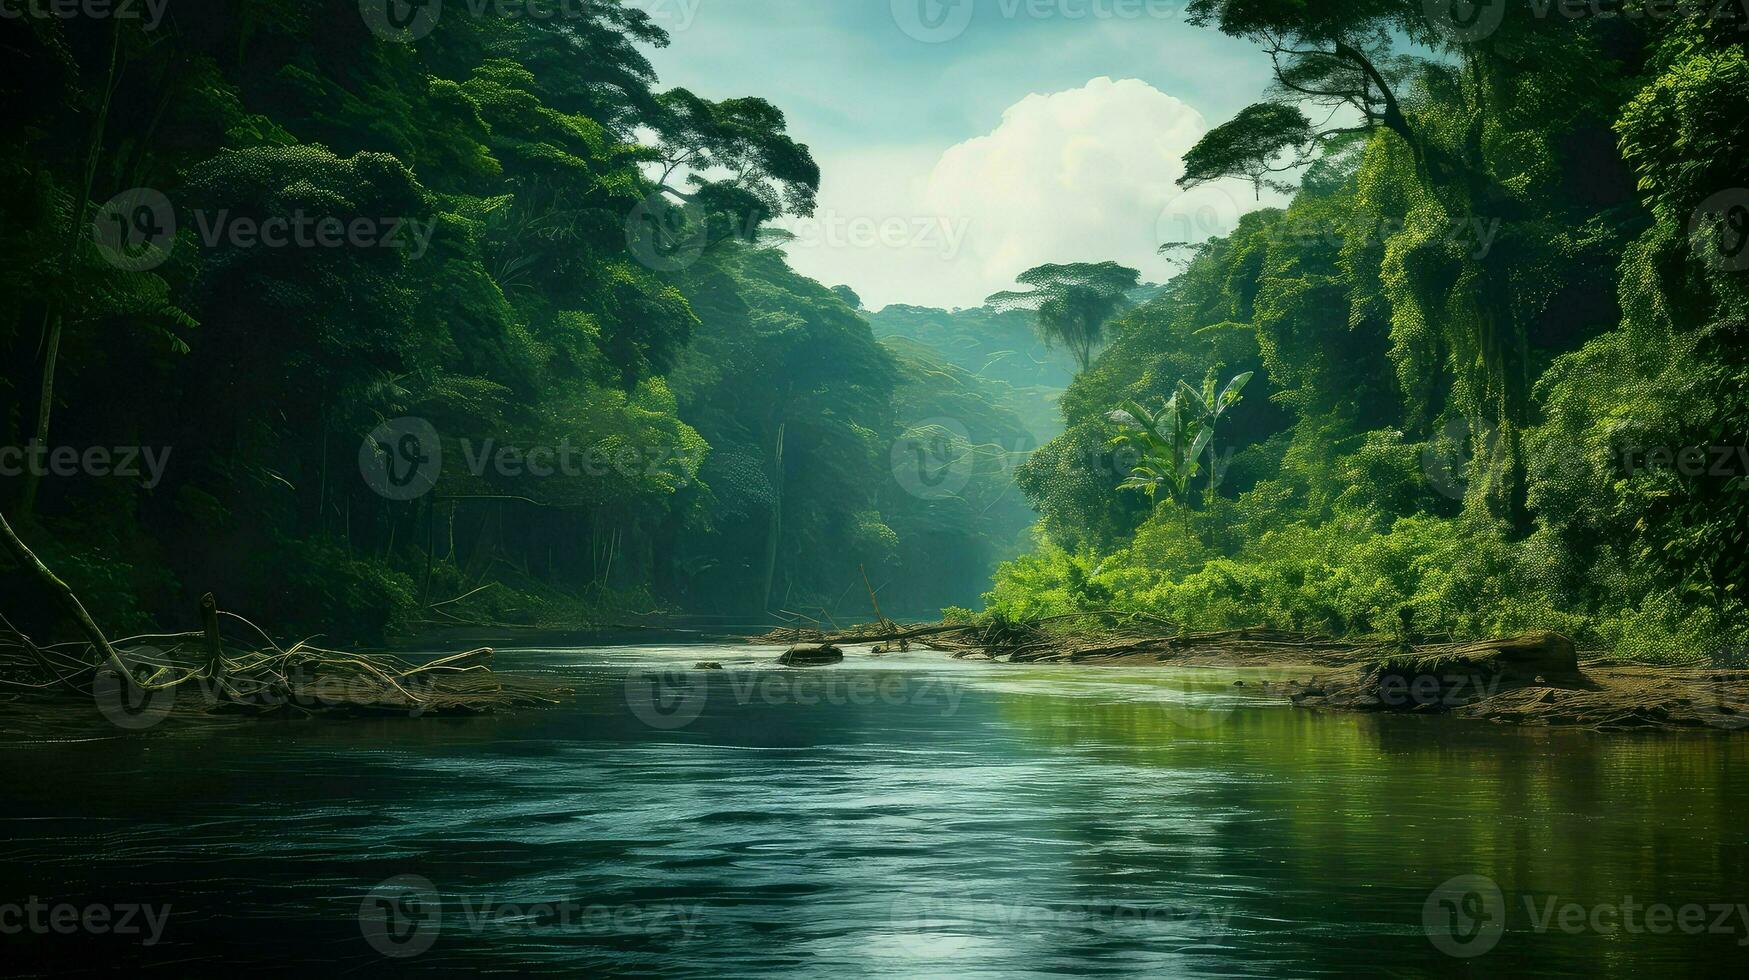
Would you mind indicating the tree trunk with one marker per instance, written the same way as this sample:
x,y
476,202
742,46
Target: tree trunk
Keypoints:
x,y
68,601
771,538
54,319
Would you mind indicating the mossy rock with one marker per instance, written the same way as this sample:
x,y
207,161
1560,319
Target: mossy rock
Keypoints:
x,y
1530,655
1446,677
811,655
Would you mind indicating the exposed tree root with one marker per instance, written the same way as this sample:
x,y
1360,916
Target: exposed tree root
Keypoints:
x,y
254,674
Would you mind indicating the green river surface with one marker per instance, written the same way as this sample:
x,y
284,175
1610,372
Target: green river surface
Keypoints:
x,y
907,815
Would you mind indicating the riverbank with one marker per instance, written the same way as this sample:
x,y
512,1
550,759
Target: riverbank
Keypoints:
x,y
1539,679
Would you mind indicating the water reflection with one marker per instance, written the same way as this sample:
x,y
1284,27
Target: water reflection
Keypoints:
x,y
905,816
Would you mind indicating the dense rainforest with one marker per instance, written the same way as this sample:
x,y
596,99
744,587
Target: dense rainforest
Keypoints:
x,y
349,319
1493,360
379,325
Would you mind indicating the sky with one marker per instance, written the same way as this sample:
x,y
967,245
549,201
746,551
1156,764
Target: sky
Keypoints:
x,y
962,142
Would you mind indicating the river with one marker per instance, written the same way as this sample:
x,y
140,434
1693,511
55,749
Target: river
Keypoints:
x,y
905,815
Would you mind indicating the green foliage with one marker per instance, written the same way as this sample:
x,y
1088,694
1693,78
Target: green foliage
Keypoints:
x,y
1250,145
1582,356
620,432
1167,446
1072,303
1484,347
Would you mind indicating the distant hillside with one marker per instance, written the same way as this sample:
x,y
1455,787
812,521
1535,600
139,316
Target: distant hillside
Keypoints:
x,y
995,346
998,347
953,504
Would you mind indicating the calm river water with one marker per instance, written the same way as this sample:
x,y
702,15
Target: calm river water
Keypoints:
x,y
908,815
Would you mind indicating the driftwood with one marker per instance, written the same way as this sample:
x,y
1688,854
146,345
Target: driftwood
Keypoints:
x,y
260,676
201,671
64,596
988,636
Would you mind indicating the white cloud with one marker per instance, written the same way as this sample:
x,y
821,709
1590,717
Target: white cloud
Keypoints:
x,y
1086,174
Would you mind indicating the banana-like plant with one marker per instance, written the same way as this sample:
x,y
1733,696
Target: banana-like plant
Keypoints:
x,y
1167,444
1209,408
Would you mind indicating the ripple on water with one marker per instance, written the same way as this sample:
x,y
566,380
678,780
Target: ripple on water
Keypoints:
x,y
1014,822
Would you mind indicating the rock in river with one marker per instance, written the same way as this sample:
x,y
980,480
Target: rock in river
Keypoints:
x,y
811,655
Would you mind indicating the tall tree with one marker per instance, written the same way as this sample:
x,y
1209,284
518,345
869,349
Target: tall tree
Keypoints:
x,y
1072,303
1351,63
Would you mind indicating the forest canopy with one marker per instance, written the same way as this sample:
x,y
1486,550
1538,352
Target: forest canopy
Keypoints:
x,y
468,319
466,306
1498,338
